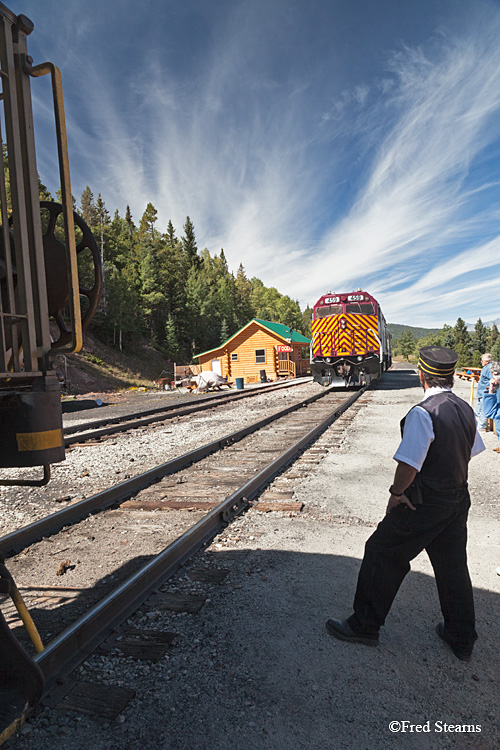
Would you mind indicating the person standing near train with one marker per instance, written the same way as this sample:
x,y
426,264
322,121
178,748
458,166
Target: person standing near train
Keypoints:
x,y
428,508
491,400
482,387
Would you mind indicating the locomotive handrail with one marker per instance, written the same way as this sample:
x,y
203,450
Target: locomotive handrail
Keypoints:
x,y
66,196
380,355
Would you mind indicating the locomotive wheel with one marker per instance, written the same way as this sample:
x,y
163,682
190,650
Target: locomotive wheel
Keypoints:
x,y
56,271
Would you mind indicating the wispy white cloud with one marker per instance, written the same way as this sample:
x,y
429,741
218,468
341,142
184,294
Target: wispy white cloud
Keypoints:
x,y
311,180
417,198
454,283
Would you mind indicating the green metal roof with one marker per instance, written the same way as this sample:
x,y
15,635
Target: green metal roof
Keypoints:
x,y
284,331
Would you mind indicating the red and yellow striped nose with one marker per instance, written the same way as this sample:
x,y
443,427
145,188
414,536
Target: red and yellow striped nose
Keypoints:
x,y
345,334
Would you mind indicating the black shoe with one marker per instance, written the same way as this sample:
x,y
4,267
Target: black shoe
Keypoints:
x,y
462,653
344,632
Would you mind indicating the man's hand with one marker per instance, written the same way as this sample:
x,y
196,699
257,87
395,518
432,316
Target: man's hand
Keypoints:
x,y
395,500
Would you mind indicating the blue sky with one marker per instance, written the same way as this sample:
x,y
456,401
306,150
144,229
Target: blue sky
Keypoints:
x,y
324,144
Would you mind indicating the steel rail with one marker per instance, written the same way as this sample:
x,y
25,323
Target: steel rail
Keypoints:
x,y
144,418
13,543
80,639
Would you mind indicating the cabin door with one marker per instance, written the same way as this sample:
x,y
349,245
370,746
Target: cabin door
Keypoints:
x,y
215,366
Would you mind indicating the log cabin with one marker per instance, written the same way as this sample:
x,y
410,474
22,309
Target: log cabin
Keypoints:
x,y
259,351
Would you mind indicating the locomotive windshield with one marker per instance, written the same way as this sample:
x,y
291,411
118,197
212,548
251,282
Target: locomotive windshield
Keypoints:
x,y
366,308
323,312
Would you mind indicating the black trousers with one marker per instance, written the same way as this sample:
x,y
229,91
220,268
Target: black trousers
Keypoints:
x,y
439,526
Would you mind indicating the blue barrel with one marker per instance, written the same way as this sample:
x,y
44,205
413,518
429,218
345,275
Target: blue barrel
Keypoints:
x,y
240,383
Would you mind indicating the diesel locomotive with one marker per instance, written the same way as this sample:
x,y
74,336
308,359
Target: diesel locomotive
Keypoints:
x,y
350,339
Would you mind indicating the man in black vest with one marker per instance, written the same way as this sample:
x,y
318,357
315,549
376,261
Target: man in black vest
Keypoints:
x,y
428,507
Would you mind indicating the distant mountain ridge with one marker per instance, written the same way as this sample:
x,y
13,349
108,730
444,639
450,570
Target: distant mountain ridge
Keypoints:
x,y
397,329
488,324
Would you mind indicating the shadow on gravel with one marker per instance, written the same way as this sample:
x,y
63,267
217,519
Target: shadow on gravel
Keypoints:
x,y
267,675
68,407
254,669
397,380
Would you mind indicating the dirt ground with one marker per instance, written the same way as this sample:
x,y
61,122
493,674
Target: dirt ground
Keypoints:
x,y
255,668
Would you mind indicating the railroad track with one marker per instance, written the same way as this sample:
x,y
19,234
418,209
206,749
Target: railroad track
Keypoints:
x,y
98,428
214,483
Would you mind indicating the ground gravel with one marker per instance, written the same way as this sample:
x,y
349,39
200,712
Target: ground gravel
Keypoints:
x,y
255,670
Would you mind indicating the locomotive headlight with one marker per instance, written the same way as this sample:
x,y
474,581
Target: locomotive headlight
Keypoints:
x,y
328,359
360,359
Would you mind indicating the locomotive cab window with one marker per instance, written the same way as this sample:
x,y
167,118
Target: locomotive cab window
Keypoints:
x,y
366,308
260,356
323,312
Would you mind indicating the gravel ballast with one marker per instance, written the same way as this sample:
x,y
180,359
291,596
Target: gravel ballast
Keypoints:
x,y
255,669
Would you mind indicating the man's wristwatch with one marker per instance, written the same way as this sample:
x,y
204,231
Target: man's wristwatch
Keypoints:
x,y
396,494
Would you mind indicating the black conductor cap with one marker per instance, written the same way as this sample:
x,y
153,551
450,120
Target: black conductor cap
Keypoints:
x,y
437,360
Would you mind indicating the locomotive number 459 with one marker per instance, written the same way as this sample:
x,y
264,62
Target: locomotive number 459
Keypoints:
x,y
350,339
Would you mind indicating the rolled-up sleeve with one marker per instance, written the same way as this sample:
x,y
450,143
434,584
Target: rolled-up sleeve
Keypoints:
x,y
418,434
491,405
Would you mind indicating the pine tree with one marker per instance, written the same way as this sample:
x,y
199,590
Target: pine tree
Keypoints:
x,y
224,331
492,337
448,336
463,344
460,333
305,329
406,344
129,221
170,237
480,337
171,345
189,244
43,192
87,207
148,220
122,318
153,297
495,350
244,310
150,251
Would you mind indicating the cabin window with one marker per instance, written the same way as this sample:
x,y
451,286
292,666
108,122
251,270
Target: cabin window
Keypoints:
x,y
260,356
323,312
366,308
234,356
304,353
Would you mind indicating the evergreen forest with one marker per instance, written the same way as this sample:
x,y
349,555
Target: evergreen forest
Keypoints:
x,y
160,287
468,345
